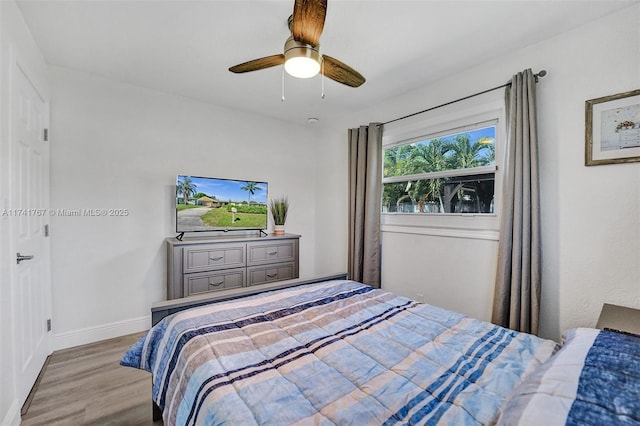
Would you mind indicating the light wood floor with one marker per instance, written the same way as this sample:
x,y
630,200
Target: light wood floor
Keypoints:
x,y
87,386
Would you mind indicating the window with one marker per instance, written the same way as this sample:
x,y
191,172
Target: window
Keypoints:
x,y
442,171
449,173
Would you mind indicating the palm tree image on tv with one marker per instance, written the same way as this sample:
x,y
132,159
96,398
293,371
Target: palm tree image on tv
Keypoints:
x,y
186,187
210,204
251,188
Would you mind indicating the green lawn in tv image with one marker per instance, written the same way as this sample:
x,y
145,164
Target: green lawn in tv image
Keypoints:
x,y
204,204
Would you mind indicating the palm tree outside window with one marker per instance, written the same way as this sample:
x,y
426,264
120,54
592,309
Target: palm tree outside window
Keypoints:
x,y
452,172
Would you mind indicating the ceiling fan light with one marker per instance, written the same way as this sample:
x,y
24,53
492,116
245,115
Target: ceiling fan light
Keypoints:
x,y
301,60
302,67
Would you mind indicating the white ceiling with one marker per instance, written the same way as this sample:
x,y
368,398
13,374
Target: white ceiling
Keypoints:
x,y
185,47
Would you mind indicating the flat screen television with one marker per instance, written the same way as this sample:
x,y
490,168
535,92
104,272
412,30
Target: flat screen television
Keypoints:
x,y
214,204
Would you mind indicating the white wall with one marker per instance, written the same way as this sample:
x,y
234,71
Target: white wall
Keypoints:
x,y
451,272
331,192
121,146
14,37
590,215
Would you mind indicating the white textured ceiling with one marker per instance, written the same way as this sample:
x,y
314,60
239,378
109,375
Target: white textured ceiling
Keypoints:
x,y
185,47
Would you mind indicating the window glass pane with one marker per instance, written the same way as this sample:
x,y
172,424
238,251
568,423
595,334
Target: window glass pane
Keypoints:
x,y
472,148
460,194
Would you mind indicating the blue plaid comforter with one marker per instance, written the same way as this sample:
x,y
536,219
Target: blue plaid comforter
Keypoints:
x,y
338,352
594,379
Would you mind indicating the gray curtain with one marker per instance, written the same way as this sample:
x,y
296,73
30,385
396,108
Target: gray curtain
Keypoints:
x,y
516,303
365,191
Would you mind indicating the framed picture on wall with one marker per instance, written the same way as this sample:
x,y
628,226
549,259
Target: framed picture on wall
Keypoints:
x,y
613,129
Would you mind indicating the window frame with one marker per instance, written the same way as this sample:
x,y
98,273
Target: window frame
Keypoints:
x,y
490,110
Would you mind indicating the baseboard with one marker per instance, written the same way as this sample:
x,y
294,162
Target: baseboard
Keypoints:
x,y
12,418
84,336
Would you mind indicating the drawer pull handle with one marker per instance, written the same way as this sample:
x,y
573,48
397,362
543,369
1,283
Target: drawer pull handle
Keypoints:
x,y
216,284
216,258
272,253
272,275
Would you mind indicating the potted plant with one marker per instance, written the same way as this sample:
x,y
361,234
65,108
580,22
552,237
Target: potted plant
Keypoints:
x,y
279,207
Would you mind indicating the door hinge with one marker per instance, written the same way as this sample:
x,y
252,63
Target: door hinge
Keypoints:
x,y
46,135
49,324
46,230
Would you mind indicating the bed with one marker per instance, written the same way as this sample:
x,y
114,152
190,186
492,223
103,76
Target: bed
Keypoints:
x,y
341,352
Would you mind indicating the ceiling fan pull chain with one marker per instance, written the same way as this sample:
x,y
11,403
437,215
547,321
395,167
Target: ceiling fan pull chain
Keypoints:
x,y
282,98
322,78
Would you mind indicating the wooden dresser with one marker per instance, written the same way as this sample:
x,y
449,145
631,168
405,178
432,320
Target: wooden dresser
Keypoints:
x,y
203,265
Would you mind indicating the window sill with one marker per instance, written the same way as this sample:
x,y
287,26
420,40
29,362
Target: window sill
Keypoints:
x,y
470,234
470,226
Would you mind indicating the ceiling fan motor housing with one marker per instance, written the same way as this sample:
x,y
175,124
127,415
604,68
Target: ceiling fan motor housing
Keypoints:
x,y
301,60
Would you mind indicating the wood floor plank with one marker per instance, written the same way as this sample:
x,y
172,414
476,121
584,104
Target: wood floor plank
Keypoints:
x,y
87,386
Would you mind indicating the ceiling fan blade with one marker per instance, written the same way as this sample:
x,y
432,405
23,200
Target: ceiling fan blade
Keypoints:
x,y
308,20
258,64
340,72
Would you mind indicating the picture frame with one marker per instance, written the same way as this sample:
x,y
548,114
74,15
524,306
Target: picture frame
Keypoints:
x,y
612,129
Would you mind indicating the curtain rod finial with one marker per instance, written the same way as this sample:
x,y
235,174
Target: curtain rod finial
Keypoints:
x,y
539,75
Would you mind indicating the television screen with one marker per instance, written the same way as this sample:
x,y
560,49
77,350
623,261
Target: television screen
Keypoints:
x,y
213,204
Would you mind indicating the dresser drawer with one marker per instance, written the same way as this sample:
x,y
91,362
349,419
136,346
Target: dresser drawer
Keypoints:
x,y
205,264
271,252
204,282
269,273
211,257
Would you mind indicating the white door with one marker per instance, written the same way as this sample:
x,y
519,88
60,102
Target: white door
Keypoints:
x,y
29,214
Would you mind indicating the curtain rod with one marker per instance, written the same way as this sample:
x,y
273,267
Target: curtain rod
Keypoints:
x,y
537,76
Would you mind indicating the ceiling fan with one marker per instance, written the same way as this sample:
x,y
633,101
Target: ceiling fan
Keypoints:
x,y
302,57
